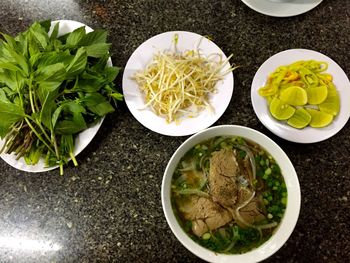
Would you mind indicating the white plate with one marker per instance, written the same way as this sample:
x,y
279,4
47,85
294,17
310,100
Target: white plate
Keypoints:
x,y
81,140
282,8
134,98
308,134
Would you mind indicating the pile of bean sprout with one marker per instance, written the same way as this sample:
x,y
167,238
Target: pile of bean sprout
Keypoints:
x,y
179,84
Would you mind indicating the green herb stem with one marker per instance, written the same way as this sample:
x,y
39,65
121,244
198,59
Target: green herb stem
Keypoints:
x,y
40,126
73,159
38,135
54,142
61,169
31,96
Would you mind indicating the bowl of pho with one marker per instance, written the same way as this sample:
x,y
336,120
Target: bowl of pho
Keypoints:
x,y
231,193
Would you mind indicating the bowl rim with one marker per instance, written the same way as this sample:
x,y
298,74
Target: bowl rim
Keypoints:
x,y
288,221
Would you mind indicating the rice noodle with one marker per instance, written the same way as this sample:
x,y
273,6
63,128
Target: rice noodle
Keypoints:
x,y
267,226
251,158
193,192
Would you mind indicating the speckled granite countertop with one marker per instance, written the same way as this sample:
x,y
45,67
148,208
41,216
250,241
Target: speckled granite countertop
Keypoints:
x,y
108,209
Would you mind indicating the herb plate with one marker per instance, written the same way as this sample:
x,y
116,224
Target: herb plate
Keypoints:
x,y
81,140
135,100
281,129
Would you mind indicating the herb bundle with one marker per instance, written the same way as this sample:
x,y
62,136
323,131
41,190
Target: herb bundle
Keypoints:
x,y
51,88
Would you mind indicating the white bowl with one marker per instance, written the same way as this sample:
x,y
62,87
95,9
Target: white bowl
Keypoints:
x,y
288,221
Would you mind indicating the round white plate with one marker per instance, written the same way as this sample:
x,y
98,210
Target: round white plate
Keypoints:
x,y
81,140
308,134
135,100
282,8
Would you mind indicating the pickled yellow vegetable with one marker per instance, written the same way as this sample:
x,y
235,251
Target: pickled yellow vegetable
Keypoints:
x,y
302,84
331,105
300,119
280,110
319,119
294,95
316,95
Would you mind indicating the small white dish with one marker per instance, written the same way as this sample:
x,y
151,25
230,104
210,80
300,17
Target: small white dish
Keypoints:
x,y
283,130
282,8
134,98
286,225
81,140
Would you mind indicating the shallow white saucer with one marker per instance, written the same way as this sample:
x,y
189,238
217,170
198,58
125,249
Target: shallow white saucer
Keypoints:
x,y
283,130
135,100
282,8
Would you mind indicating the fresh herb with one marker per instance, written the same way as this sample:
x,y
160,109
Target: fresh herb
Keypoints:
x,y
51,88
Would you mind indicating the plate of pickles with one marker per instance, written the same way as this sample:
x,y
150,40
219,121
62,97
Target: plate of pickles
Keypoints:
x,y
300,95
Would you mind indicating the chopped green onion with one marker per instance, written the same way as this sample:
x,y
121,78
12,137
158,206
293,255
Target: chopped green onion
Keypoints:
x,y
206,236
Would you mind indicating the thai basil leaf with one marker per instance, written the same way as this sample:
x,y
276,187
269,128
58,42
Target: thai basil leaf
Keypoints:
x,y
117,96
47,109
78,64
12,56
55,72
111,73
67,107
72,126
89,85
94,37
54,32
75,37
97,50
97,104
46,25
9,66
10,113
40,35
12,79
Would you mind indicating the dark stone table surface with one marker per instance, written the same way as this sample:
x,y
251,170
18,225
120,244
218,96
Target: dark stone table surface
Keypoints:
x,y
108,209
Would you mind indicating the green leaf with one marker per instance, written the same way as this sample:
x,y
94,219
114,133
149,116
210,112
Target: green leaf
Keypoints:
x,y
10,41
44,87
75,37
9,66
68,108
53,57
117,96
71,126
54,32
55,72
39,33
111,73
47,109
46,25
33,49
23,44
10,113
97,50
3,96
88,85
94,37
101,64
78,64
11,55
12,79
34,155
97,104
